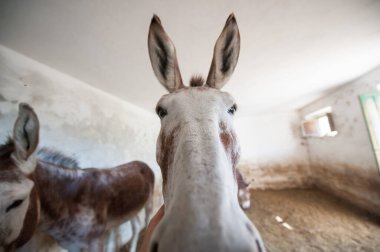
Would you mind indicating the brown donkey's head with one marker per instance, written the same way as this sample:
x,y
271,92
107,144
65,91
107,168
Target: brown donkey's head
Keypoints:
x,y
17,164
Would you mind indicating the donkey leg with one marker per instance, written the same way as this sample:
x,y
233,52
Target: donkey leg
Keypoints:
x,y
244,198
97,245
148,210
135,223
118,239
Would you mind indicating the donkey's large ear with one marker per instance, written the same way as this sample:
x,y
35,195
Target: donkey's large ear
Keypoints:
x,y
25,132
163,56
226,54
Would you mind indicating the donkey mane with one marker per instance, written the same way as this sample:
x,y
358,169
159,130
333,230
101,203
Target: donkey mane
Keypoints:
x,y
45,154
57,158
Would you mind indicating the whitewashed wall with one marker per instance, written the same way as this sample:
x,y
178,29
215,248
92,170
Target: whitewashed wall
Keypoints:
x,y
273,153
345,164
96,128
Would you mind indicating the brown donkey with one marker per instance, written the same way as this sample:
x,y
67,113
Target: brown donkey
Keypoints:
x,y
74,206
198,150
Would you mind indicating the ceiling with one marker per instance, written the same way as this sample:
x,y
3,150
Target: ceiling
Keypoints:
x,y
292,51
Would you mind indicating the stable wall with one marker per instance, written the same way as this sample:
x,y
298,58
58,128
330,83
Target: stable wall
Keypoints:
x,y
274,155
345,165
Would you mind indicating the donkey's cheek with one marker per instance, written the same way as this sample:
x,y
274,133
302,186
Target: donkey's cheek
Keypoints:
x,y
230,144
166,155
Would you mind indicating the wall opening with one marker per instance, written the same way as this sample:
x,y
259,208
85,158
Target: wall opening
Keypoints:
x,y
319,124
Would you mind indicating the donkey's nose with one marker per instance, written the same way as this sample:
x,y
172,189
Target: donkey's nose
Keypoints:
x,y
154,247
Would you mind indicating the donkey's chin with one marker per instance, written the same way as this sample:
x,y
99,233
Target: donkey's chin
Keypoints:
x,y
229,233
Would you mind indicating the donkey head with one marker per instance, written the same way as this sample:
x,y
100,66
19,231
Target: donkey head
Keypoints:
x,y
197,150
17,163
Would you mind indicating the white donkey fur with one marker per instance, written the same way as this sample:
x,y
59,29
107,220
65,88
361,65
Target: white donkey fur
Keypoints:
x,y
202,211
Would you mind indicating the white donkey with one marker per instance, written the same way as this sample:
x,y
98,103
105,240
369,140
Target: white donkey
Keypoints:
x,y
197,151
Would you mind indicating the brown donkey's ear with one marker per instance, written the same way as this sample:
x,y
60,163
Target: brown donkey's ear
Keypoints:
x,y
226,54
163,56
25,132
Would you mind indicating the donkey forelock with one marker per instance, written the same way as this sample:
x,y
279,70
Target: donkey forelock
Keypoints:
x,y
197,81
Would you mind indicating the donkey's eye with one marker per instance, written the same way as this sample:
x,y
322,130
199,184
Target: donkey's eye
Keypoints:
x,y
15,204
232,109
161,112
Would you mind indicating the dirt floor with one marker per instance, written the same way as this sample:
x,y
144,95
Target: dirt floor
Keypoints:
x,y
311,220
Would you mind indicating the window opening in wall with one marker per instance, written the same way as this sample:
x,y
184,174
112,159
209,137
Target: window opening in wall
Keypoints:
x,y
371,110
319,124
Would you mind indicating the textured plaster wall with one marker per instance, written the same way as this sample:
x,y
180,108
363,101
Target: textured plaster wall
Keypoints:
x,y
345,164
273,153
96,128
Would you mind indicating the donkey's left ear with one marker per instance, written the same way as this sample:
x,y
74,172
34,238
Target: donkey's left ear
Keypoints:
x,y
226,54
25,132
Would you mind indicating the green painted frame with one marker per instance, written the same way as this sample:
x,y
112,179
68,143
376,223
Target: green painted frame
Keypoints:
x,y
375,139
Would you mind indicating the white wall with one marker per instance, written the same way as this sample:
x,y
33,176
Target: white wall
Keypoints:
x,y
75,118
346,164
273,153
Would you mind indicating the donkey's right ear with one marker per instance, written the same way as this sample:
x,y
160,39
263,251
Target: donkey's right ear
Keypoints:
x,y
25,132
163,56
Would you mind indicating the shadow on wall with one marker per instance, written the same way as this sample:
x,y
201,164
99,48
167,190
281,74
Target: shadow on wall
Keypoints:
x,y
344,181
277,176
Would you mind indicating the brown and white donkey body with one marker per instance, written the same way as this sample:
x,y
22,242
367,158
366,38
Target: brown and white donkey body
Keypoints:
x,y
197,150
74,206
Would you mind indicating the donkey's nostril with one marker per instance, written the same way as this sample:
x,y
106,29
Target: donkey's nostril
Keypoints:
x,y
259,247
154,247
